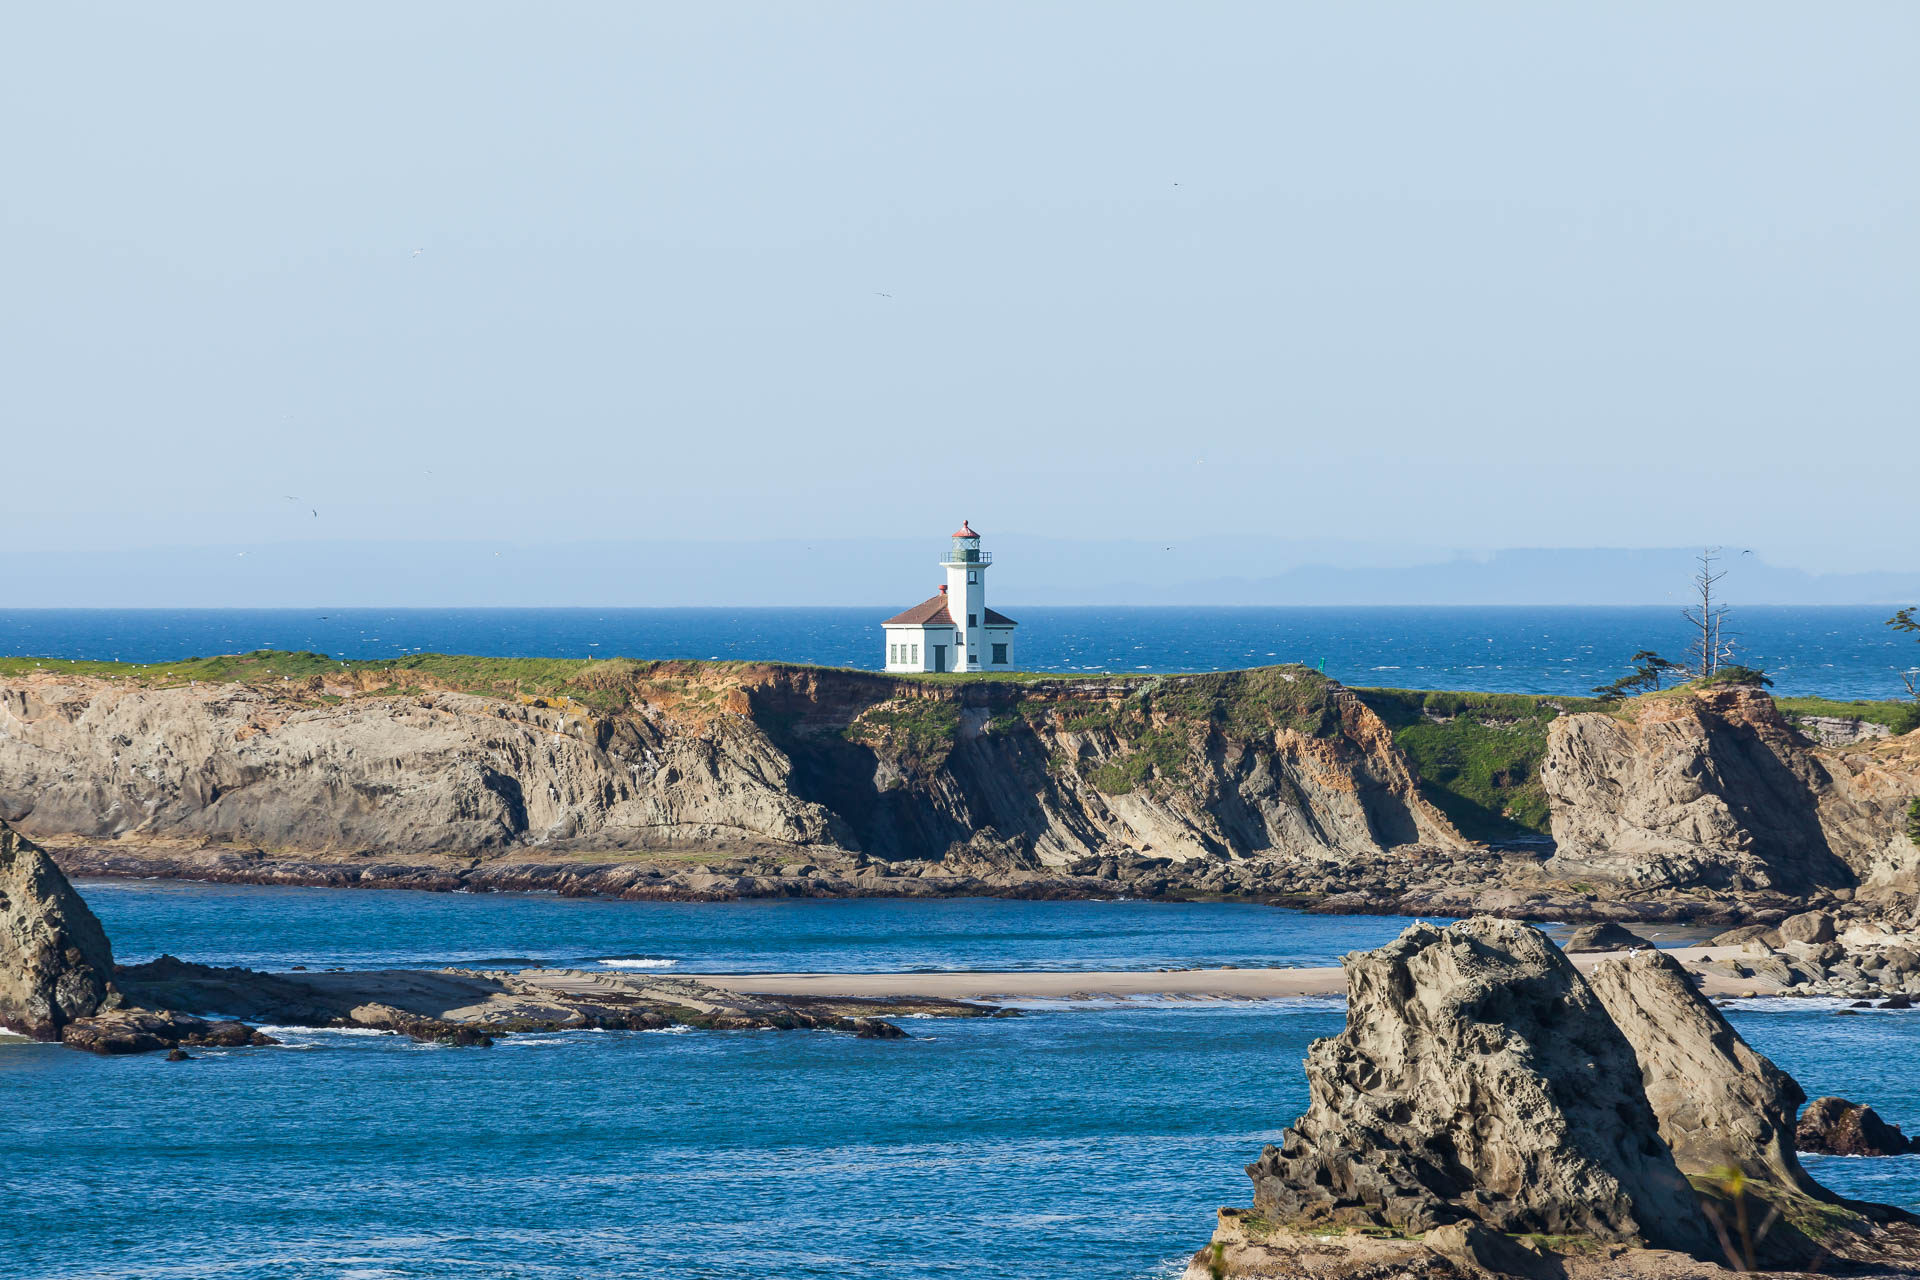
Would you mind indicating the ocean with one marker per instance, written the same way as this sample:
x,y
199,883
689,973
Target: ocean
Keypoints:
x,y
1090,1142
1834,651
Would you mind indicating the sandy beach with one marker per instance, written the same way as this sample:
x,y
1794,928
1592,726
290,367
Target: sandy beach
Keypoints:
x,y
1225,984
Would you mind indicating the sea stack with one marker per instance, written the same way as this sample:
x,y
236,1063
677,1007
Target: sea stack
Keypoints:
x,y
55,962
1478,1079
1489,1111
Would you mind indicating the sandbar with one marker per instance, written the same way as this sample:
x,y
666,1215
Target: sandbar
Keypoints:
x,y
1220,984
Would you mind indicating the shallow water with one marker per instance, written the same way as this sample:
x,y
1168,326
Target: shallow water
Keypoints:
x,y
1079,1143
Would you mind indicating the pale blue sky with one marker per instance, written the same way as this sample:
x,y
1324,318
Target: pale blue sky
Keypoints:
x,y
1425,276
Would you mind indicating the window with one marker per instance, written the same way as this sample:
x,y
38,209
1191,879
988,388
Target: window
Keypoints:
x,y
973,575
999,655
916,654
973,619
893,653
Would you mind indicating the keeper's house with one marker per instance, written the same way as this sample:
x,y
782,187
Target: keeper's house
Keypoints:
x,y
954,631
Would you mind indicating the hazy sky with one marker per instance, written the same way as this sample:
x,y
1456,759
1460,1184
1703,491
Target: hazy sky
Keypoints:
x,y
1423,275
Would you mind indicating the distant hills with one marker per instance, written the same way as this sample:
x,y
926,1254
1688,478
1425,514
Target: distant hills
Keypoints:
x,y
898,571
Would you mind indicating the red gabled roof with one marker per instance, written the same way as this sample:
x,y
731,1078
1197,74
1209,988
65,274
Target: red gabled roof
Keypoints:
x,y
965,531
927,613
997,619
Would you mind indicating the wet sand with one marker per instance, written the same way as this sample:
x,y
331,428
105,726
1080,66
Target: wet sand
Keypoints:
x,y
1225,984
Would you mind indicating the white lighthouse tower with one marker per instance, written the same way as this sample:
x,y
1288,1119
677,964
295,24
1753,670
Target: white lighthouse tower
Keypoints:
x,y
954,631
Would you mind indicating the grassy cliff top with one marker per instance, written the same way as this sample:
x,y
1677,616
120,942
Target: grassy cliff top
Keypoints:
x,y
452,670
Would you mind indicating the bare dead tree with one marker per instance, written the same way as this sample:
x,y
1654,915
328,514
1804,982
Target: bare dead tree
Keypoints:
x,y
1714,646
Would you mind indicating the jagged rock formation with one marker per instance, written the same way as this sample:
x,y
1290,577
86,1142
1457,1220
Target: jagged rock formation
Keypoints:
x,y
1835,1126
1711,787
1480,1080
55,964
1274,763
1605,936
1483,1091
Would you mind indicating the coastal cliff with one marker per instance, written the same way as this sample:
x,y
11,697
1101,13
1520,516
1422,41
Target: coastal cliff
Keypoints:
x,y
717,780
334,760
1715,787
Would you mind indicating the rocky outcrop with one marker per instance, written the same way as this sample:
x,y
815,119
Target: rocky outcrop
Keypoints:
x,y
1605,936
126,1030
1478,1080
1712,787
1488,1111
1719,1103
55,964
472,1006
1868,960
1274,764
1836,1127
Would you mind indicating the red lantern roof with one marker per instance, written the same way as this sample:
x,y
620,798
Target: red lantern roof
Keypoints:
x,y
965,531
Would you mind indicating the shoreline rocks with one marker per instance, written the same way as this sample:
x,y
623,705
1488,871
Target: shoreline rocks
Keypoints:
x,y
470,1007
1835,1126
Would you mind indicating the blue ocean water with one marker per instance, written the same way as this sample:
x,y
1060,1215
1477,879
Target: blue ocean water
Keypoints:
x,y
1088,1143
273,928
1837,651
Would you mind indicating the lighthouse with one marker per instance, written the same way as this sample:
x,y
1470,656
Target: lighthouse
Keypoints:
x,y
953,630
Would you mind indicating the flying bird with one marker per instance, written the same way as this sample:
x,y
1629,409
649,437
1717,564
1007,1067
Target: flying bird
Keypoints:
x,y
418,252
316,513
878,294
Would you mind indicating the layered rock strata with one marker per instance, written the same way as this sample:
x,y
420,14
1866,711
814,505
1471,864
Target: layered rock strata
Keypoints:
x,y
1713,787
693,756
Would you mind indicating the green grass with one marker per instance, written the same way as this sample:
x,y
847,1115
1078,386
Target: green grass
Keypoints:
x,y
1913,820
602,685
918,732
1899,717
1477,754
1155,754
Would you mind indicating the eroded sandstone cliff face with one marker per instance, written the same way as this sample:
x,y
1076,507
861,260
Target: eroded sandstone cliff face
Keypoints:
x,y
1713,788
1271,763
55,964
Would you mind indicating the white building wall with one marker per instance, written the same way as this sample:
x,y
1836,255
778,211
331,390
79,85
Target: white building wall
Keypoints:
x,y
990,637
919,641
967,599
